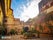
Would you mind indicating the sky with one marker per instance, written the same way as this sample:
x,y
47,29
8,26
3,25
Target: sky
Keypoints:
x,y
25,9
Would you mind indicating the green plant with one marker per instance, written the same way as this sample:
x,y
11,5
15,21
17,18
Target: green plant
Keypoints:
x,y
12,32
25,29
41,28
31,33
35,31
50,27
3,30
48,20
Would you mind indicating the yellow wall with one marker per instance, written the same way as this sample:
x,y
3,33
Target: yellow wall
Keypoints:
x,y
9,15
1,15
9,12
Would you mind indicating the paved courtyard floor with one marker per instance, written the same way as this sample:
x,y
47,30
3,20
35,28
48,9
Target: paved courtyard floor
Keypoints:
x,y
15,37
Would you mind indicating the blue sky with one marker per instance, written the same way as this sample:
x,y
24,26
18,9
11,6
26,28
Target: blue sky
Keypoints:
x,y
25,9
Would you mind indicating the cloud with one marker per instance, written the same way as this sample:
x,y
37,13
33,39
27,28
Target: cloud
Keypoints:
x,y
25,9
30,11
17,6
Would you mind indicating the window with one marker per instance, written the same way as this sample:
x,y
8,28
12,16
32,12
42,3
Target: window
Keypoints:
x,y
5,20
